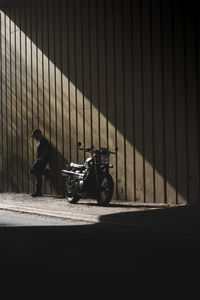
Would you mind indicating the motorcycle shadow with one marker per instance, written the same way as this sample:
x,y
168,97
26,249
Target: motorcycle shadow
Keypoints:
x,y
117,205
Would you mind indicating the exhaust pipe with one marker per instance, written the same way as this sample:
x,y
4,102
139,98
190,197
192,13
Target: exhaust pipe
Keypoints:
x,y
66,173
70,173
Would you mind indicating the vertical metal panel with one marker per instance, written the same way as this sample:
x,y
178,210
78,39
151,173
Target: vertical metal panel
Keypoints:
x,y
192,121
197,45
94,73
83,76
42,7
11,106
21,98
174,100
133,99
1,108
2,97
83,79
115,96
2,103
49,75
110,88
13,178
157,96
180,107
59,92
163,105
142,98
90,72
123,98
68,76
106,72
152,99
78,77
98,87
186,102
139,165
55,87
86,72
6,106
168,96
43,106
53,93
128,102
26,99
61,69
147,100
31,67
72,79
102,74
36,64
16,105
119,99
75,79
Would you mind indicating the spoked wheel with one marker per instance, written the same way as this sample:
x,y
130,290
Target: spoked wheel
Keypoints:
x,y
70,192
105,190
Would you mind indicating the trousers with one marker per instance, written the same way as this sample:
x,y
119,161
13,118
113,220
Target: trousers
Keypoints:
x,y
38,169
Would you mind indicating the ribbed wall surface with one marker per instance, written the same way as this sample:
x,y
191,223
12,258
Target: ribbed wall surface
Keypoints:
x,y
107,73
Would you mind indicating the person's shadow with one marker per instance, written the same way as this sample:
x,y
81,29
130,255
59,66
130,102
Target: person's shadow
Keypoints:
x,y
56,164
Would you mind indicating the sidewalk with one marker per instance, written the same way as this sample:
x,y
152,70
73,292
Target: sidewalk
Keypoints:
x,y
183,219
85,209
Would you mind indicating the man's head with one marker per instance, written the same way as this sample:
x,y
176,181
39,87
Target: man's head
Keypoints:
x,y
36,134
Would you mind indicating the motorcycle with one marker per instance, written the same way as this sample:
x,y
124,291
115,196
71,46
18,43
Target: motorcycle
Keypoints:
x,y
92,179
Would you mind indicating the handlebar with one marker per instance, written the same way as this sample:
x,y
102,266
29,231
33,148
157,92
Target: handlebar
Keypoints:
x,y
113,152
86,149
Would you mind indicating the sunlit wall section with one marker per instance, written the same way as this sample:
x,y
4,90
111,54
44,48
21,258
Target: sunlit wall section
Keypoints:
x,y
108,73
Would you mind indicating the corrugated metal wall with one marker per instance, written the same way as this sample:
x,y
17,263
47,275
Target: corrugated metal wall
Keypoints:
x,y
109,73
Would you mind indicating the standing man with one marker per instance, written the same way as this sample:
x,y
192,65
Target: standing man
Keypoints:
x,y
43,157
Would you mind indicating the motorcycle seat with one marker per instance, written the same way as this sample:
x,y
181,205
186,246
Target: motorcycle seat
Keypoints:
x,y
77,166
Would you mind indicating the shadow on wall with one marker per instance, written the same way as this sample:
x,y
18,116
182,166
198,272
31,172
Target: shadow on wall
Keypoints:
x,y
15,176
130,61
57,163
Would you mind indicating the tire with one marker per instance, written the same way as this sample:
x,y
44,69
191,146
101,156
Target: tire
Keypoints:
x,y
105,193
70,193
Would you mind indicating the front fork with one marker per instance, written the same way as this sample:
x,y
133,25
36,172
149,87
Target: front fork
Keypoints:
x,y
98,177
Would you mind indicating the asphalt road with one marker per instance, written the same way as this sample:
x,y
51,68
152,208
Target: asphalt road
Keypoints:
x,y
40,248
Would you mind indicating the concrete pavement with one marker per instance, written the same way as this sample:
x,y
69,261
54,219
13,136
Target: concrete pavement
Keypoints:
x,y
85,209
156,216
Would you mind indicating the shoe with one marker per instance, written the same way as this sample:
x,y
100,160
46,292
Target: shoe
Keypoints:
x,y
37,194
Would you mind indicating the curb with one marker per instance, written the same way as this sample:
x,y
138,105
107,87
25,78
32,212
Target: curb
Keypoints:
x,y
50,213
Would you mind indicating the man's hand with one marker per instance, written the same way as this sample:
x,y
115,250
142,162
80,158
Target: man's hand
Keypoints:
x,y
38,160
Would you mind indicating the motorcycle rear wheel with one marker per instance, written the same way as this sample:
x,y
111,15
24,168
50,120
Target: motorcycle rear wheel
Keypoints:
x,y
105,193
70,194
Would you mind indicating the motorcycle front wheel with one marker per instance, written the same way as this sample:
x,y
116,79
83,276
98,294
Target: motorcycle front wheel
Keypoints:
x,y
105,190
70,193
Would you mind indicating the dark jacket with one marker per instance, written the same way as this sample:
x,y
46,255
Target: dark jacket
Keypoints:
x,y
43,150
